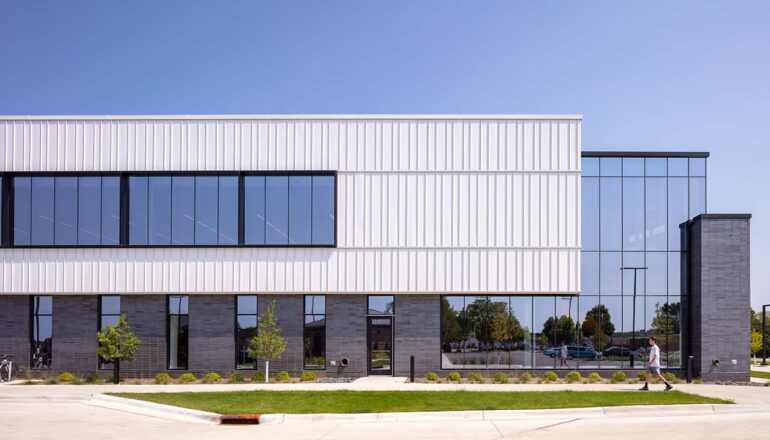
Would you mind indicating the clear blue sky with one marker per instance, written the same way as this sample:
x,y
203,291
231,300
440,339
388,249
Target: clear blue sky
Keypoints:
x,y
686,75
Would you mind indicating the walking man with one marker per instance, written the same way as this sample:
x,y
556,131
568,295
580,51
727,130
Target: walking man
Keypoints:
x,y
564,355
653,366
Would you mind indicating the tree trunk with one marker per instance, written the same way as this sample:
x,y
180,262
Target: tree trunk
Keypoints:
x,y
116,372
267,370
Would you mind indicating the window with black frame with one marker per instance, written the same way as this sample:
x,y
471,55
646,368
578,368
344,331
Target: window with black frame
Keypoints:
x,y
109,313
66,211
315,332
41,332
178,332
246,329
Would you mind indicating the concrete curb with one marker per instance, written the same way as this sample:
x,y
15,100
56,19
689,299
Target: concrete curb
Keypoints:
x,y
153,409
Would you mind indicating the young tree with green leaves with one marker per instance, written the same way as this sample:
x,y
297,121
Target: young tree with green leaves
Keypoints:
x,y
116,343
755,344
268,344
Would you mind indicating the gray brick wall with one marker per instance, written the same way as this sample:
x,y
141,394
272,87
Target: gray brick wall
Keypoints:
x,y
74,334
212,338
146,314
346,334
719,296
14,328
289,317
417,333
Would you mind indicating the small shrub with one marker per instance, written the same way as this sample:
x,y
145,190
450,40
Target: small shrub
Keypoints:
x,y
258,377
92,378
66,377
618,377
525,377
671,377
641,375
235,378
500,378
550,376
594,377
187,378
52,381
539,380
431,377
111,377
699,381
77,380
573,377
475,377
453,376
282,376
210,377
162,379
307,376
136,382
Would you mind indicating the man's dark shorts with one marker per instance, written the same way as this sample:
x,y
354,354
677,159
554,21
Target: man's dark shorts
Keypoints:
x,y
653,370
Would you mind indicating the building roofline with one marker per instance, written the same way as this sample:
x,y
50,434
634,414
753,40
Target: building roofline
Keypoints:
x,y
695,154
285,117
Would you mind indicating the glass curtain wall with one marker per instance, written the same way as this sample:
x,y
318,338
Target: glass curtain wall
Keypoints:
x,y
632,208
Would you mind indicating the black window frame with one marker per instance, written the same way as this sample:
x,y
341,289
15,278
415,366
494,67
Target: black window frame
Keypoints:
x,y
235,331
105,364
6,236
32,340
168,332
305,314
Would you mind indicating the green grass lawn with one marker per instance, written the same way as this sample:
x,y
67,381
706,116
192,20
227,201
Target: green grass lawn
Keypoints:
x,y
308,402
760,374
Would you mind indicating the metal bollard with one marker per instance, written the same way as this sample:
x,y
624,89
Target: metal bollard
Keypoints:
x,y
411,369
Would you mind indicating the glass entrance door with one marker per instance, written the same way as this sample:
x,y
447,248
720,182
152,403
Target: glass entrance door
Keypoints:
x,y
380,342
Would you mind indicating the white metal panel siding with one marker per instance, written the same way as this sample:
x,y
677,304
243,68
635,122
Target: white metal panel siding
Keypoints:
x,y
424,205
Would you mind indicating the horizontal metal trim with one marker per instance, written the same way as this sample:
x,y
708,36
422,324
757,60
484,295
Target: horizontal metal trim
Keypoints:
x,y
322,292
172,173
278,117
718,216
693,154
421,172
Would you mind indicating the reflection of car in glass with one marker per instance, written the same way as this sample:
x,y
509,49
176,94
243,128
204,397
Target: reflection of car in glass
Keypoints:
x,y
617,351
573,352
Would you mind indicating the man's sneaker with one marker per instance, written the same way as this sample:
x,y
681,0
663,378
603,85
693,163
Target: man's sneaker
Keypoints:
x,y
644,388
668,387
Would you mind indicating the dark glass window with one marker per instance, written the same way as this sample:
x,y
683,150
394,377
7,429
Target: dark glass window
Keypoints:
x,y
159,210
42,332
109,313
178,331
300,209
381,305
315,332
246,329
277,210
206,209
22,210
589,267
42,211
323,209
547,332
254,209
66,210
183,210
227,227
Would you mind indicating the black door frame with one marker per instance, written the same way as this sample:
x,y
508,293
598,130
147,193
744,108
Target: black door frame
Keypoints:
x,y
369,370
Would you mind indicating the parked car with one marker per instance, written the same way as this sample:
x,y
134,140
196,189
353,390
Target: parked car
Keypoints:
x,y
574,352
617,351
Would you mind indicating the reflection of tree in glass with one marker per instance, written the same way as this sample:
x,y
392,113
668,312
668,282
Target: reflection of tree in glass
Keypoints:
x,y
450,323
561,329
598,326
666,320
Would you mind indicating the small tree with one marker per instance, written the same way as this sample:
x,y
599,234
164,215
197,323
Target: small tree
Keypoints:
x,y
117,343
756,344
268,344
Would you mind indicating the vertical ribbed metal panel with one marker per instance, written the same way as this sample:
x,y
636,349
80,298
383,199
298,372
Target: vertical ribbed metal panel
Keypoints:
x,y
424,205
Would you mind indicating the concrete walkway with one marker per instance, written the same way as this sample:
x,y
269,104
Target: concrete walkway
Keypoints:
x,y
57,411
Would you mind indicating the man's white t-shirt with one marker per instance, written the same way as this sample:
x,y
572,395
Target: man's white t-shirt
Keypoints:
x,y
655,356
